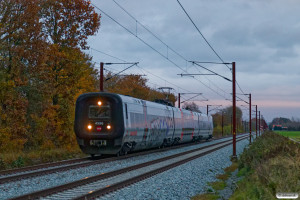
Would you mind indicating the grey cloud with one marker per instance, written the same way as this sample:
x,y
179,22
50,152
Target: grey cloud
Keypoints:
x,y
261,36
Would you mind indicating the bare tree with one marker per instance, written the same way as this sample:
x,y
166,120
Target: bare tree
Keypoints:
x,y
191,106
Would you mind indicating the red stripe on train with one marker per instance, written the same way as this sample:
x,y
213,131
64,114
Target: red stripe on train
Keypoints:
x,y
133,133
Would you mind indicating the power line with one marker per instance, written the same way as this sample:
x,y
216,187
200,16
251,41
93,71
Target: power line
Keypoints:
x,y
162,79
164,42
210,71
197,68
155,84
240,87
152,47
154,35
121,71
142,69
207,41
111,70
143,41
201,34
107,54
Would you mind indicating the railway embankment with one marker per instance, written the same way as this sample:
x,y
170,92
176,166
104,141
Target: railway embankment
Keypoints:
x,y
12,160
270,165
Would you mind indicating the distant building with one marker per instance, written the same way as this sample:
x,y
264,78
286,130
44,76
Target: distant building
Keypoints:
x,y
277,127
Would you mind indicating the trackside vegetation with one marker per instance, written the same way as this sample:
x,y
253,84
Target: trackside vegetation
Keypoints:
x,y
215,187
43,69
269,166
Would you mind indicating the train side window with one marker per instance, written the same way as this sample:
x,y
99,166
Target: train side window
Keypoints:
x,y
126,111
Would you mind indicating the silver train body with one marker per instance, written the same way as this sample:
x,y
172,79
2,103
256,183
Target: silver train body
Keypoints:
x,y
107,123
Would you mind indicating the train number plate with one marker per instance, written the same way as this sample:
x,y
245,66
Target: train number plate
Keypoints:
x,y
98,142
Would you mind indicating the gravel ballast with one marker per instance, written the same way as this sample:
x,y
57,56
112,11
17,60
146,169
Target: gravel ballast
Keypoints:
x,y
21,187
184,181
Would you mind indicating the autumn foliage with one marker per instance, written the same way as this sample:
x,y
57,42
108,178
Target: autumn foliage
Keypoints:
x,y
135,86
43,70
227,121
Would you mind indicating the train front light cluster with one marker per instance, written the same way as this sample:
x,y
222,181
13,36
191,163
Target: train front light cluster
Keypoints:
x,y
99,128
99,103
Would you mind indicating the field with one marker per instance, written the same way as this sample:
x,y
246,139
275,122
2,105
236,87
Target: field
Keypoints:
x,y
291,134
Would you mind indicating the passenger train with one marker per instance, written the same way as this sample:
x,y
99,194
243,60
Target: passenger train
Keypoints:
x,y
107,123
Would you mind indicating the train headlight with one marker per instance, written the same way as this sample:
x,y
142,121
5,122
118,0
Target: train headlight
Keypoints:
x,y
89,127
99,103
108,127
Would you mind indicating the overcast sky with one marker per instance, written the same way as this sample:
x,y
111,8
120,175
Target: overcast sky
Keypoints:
x,y
262,37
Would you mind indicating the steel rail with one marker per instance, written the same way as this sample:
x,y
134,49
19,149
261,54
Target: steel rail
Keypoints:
x,y
41,166
88,180
85,164
125,183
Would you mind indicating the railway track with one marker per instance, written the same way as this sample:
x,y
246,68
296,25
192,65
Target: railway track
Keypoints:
x,y
48,168
99,185
41,166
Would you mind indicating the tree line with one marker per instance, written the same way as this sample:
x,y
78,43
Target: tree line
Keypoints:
x,y
281,123
222,120
43,69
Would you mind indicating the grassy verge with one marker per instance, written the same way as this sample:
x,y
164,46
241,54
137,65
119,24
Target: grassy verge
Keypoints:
x,y
291,134
205,197
23,159
270,165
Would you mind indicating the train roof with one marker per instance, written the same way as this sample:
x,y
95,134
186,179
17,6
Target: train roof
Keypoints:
x,y
129,99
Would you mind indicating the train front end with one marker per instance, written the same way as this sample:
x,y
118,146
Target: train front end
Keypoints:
x,y
99,124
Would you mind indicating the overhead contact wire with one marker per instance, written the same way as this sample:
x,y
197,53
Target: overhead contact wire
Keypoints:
x,y
152,48
201,34
206,40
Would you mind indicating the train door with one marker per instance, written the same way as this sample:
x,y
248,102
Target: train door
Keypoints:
x,y
145,139
197,130
173,125
168,126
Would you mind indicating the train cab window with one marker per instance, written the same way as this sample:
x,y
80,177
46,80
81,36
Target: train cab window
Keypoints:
x,y
103,112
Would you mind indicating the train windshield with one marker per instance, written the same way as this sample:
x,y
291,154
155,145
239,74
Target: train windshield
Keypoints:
x,y
102,112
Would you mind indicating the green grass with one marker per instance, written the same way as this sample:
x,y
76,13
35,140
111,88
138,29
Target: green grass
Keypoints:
x,y
291,134
223,177
205,197
24,159
242,172
231,168
270,165
218,185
